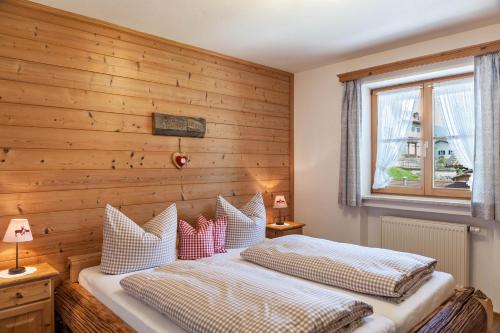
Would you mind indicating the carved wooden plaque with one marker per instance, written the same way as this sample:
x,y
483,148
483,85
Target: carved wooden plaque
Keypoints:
x,y
165,124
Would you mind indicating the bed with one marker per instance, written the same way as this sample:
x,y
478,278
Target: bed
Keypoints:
x,y
131,314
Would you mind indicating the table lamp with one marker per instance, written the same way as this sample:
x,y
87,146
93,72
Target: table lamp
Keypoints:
x,y
18,231
280,203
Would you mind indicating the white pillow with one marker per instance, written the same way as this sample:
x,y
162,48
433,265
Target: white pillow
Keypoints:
x,y
127,247
245,226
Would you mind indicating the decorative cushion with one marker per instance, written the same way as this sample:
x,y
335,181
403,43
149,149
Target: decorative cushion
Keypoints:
x,y
245,226
220,226
196,243
128,247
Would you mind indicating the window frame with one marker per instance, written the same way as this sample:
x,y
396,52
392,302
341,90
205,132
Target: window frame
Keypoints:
x,y
427,158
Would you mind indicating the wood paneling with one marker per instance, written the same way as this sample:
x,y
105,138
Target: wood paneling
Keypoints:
x,y
76,103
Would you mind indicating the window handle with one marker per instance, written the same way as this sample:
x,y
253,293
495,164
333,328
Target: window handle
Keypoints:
x,y
426,146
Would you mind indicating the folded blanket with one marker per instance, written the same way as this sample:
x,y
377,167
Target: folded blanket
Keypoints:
x,y
203,297
381,272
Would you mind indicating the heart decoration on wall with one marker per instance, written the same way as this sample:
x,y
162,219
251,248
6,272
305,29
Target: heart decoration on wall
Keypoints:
x,y
180,160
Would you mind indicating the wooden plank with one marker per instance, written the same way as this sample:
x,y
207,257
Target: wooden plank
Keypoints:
x,y
229,125
37,202
468,51
156,75
50,138
37,181
49,159
105,29
23,27
35,94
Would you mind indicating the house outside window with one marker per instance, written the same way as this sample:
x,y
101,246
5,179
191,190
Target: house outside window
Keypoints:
x,y
423,136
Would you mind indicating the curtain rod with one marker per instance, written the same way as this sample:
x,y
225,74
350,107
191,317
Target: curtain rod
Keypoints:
x,y
469,51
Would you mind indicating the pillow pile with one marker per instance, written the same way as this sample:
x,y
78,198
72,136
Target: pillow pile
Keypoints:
x,y
204,240
128,247
245,226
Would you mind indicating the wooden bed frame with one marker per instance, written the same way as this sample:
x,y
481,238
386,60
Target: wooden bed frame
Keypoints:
x,y
468,310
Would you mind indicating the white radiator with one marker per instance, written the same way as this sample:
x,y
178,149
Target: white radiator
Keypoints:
x,y
446,242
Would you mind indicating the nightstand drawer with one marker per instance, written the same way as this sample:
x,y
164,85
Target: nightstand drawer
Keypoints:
x,y
25,293
280,233
297,231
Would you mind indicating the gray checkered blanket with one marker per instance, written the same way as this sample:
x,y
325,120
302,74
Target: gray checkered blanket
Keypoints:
x,y
203,297
390,274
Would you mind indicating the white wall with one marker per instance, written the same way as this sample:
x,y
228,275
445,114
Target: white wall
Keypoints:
x,y
317,148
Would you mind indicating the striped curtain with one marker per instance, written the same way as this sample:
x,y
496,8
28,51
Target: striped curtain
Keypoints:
x,y
486,183
349,179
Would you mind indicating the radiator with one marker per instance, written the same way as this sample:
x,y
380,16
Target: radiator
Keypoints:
x,y
446,242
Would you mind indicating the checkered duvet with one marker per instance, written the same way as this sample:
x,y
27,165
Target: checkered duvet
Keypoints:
x,y
201,296
390,274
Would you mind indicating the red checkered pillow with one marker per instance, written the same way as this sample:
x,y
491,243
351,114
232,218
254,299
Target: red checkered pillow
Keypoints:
x,y
196,243
220,226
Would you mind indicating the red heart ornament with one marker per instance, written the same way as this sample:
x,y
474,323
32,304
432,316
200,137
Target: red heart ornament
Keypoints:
x,y
180,160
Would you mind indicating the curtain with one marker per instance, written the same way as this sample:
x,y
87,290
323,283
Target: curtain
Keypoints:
x,y
395,111
349,179
486,184
454,102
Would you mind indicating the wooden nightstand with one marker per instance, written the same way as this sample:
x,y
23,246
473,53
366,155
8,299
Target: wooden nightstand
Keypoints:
x,y
290,228
27,302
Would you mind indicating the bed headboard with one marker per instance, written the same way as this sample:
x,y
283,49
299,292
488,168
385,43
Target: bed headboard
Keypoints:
x,y
77,263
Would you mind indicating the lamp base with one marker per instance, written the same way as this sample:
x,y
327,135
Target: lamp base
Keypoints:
x,y
16,270
280,222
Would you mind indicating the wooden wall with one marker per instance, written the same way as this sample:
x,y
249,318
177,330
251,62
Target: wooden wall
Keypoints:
x,y
76,98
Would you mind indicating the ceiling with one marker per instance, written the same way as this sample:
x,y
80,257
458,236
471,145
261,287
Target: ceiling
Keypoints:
x,y
292,35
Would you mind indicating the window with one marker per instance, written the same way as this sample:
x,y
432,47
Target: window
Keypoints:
x,y
423,137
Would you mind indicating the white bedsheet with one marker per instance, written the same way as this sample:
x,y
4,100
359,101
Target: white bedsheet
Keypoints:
x,y
387,318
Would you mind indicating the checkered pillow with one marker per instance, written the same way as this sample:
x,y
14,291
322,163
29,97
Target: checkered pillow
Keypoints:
x,y
245,226
220,226
128,247
196,243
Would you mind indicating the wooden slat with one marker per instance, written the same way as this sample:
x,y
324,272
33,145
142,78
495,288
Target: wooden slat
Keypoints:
x,y
469,51
50,159
37,202
155,74
228,125
105,29
43,95
42,181
50,138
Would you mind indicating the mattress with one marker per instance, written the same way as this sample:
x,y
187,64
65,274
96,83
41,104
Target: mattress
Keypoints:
x,y
387,317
